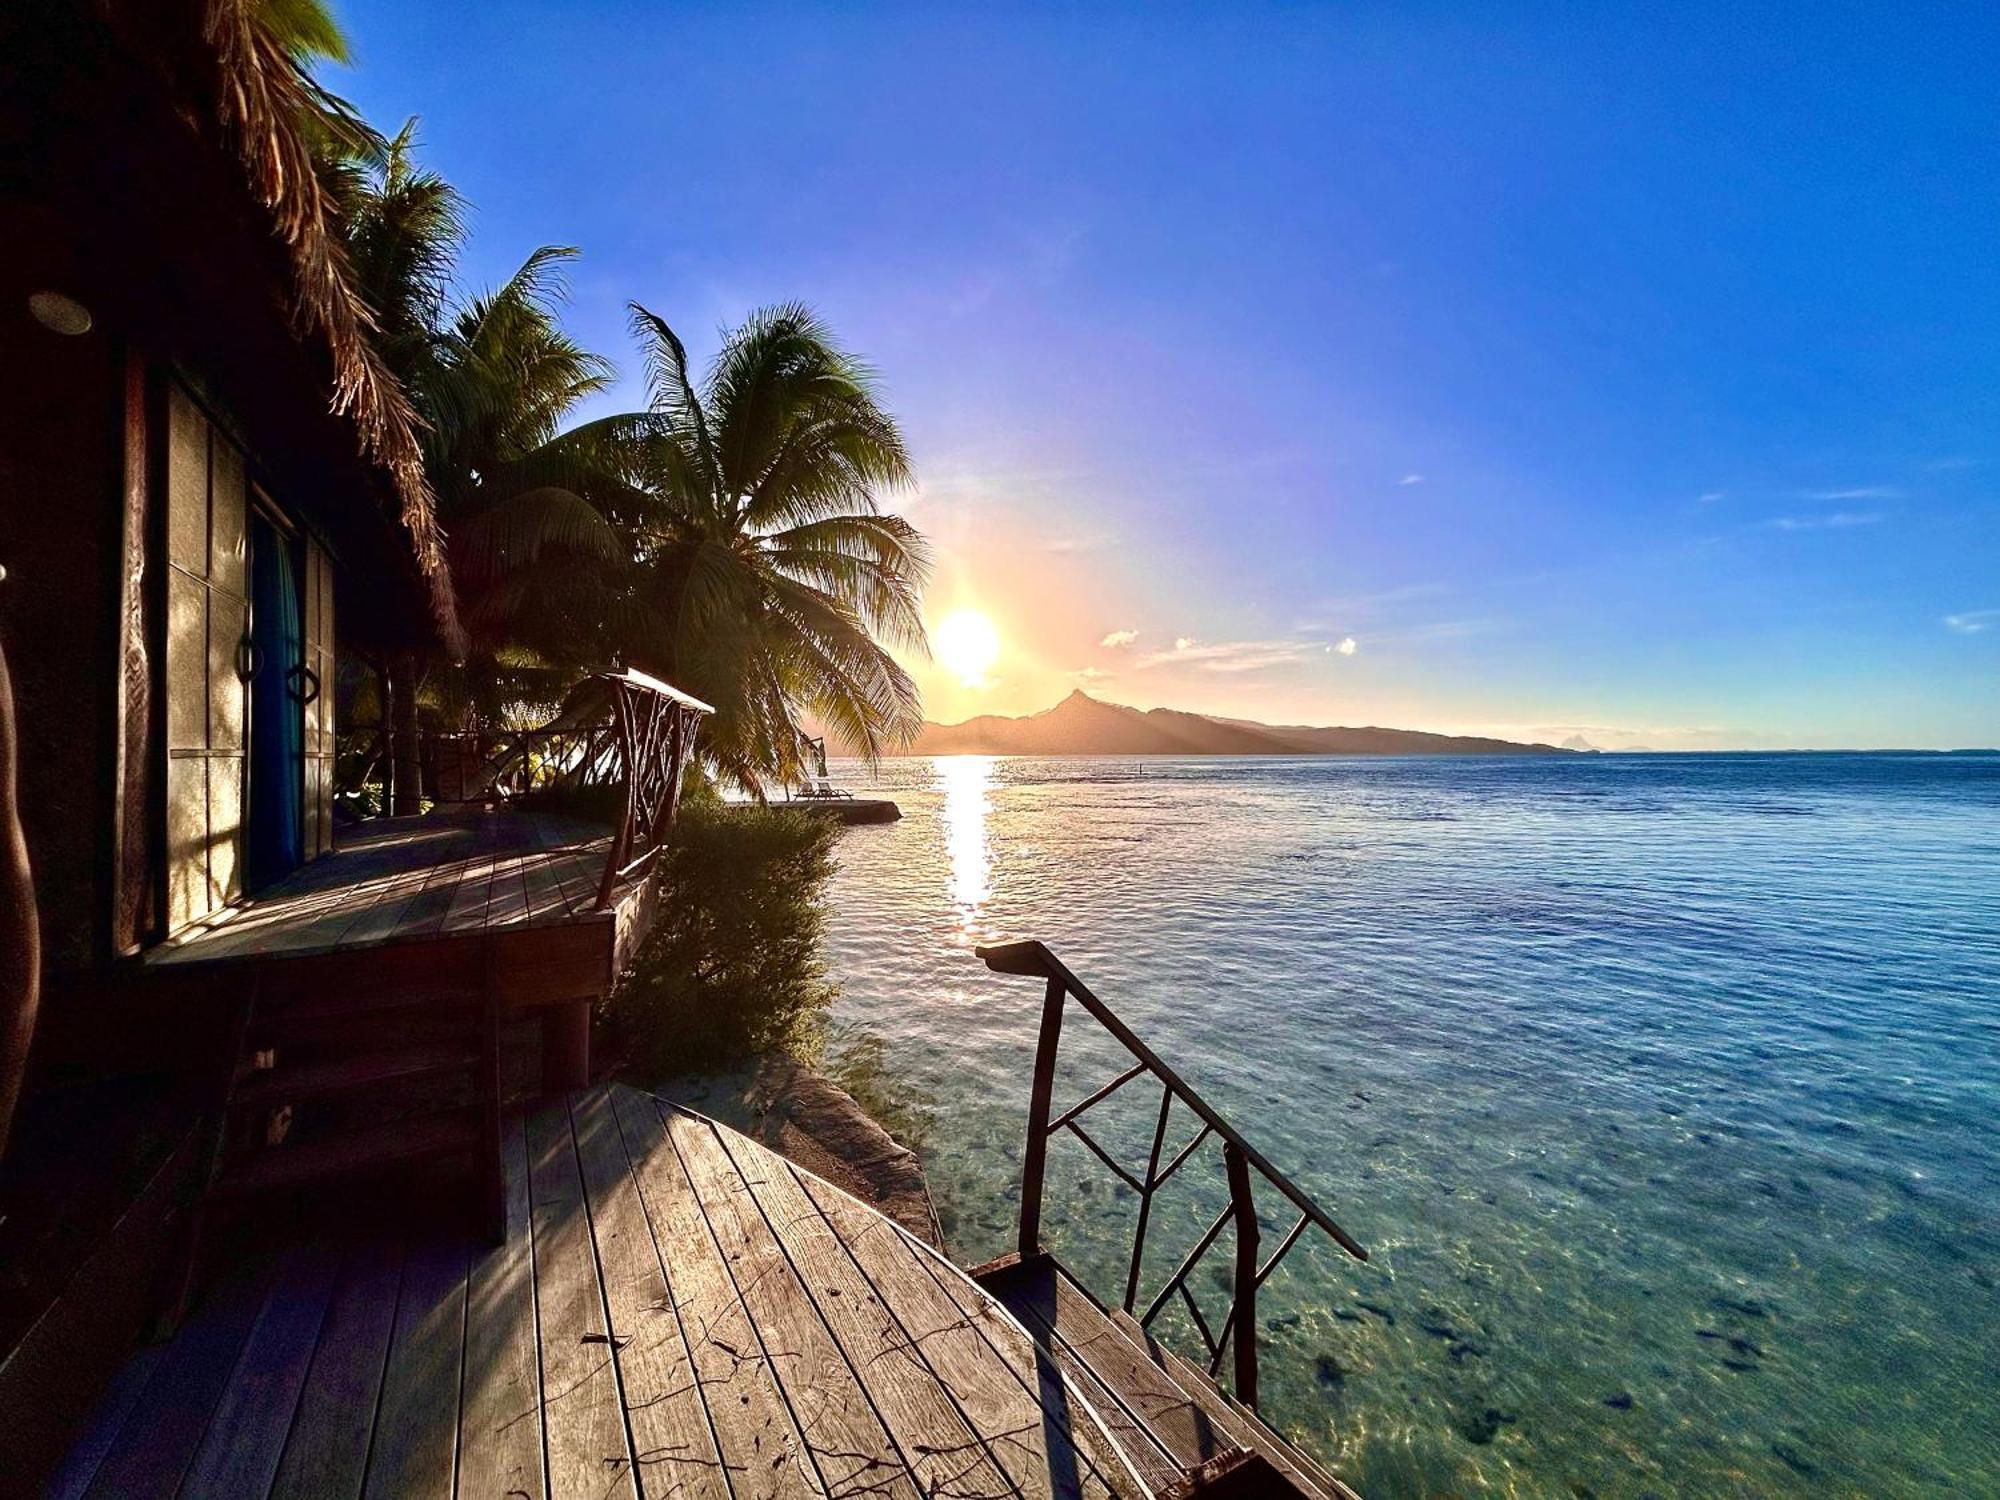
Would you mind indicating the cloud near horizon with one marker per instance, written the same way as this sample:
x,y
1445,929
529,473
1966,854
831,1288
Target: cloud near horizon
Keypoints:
x,y
1117,640
1972,621
1348,646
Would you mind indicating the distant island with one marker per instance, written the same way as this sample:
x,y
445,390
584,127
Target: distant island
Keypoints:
x,y
1083,725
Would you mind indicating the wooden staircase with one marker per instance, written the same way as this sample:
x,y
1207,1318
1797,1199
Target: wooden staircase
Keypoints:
x,y
311,1091
1183,1433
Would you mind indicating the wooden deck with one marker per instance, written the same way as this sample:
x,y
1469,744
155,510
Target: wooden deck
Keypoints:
x,y
420,899
675,1310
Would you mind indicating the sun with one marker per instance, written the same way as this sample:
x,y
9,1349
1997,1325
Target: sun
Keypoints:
x,y
967,645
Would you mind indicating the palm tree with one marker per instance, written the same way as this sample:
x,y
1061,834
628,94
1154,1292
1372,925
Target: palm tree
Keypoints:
x,y
765,578
492,379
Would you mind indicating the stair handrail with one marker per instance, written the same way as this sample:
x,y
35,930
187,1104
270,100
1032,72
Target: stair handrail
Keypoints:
x,y
1239,1328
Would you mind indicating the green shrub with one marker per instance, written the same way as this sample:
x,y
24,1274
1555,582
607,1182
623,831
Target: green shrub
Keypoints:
x,y
733,964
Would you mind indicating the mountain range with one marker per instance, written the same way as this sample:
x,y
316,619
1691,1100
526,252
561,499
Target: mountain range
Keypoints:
x,y
1083,725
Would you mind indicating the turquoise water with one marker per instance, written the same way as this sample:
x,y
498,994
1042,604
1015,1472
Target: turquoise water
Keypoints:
x,y
1664,1090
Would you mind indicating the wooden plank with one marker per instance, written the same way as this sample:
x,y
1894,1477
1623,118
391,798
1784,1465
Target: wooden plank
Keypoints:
x,y
542,882
507,896
947,1453
1047,1439
467,912
161,1436
401,893
1056,1312
246,1438
844,1434
637,906
671,1438
762,1453
381,1145
576,871
416,1425
326,1457
426,916
1243,1425
500,1425
583,1415
79,1465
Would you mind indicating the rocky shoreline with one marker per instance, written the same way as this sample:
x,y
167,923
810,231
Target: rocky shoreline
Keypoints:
x,y
798,1111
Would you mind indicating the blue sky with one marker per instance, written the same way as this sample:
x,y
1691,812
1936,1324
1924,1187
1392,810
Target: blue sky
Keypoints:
x,y
1631,371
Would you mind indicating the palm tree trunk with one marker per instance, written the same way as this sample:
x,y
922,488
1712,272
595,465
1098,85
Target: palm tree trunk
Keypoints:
x,y
405,755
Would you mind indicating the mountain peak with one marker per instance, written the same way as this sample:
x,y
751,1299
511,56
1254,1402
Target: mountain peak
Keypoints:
x,y
1083,725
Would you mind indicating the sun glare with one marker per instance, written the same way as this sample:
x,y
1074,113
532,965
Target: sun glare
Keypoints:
x,y
967,645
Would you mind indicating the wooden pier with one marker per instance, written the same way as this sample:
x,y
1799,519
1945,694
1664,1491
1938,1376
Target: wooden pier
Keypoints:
x,y
674,1310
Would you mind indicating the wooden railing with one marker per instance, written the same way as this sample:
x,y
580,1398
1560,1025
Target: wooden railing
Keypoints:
x,y
655,731
1240,1159
621,729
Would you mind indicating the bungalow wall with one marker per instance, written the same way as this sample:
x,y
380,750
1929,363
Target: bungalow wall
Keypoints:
x,y
134,458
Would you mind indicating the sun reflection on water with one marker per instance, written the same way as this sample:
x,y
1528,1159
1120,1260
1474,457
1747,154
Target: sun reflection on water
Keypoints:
x,y
965,780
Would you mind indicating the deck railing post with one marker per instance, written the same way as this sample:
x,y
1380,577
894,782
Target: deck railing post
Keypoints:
x,y
1146,1198
1034,1160
1243,1315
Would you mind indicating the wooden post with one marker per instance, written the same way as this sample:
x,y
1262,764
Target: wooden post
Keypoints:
x,y
1035,1159
1146,1198
566,1046
1243,1319
492,1088
405,754
20,925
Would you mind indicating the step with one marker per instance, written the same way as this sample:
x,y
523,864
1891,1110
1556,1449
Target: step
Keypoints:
x,y
319,1080
1175,1423
396,1143
277,1021
1191,1377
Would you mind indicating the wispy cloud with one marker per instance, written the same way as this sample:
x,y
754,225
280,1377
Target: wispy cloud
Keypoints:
x,y
1232,656
1330,613
1440,630
1348,645
1409,479
1973,621
1117,640
1089,675
1858,492
1709,497
1090,543
1832,521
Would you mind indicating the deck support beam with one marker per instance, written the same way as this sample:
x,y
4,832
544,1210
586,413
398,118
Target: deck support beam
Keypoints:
x,y
566,1046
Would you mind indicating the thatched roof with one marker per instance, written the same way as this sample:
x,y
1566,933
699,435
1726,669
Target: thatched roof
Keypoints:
x,y
262,99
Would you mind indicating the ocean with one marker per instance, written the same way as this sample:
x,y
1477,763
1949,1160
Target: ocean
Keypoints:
x,y
1664,1090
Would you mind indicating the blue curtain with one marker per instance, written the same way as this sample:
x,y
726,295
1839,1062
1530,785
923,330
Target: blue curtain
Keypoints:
x,y
277,721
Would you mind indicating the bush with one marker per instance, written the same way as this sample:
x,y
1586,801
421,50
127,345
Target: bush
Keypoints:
x,y
733,965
